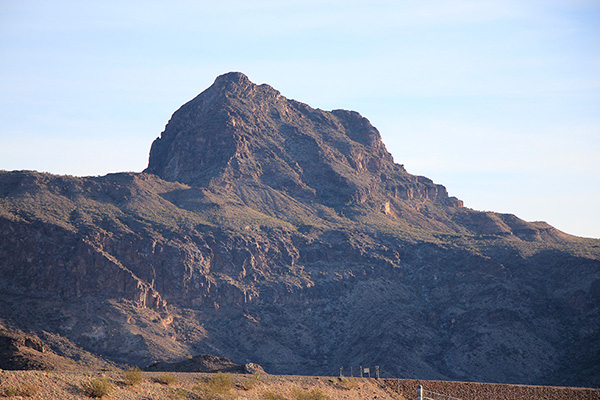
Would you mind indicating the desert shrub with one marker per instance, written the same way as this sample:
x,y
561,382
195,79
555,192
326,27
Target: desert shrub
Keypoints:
x,y
25,390
250,383
11,391
133,376
220,383
28,390
347,383
267,395
97,387
314,394
166,379
218,387
180,394
246,384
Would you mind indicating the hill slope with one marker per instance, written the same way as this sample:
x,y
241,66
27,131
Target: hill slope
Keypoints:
x,y
267,231
70,386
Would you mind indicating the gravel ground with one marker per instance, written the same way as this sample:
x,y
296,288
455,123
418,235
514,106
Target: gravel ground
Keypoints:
x,y
489,391
69,385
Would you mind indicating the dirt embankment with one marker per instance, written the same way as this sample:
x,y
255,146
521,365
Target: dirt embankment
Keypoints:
x,y
488,391
46,385
51,385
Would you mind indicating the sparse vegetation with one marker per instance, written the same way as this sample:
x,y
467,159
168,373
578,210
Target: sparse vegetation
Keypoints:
x,y
25,390
347,383
217,387
220,383
28,390
315,394
166,379
268,395
11,391
97,387
133,376
180,394
59,385
250,383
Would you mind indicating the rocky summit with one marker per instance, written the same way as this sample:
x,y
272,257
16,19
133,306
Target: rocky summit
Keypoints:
x,y
247,138
266,231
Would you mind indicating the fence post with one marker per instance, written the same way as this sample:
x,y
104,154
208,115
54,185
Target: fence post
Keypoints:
x,y
361,371
377,371
341,371
419,392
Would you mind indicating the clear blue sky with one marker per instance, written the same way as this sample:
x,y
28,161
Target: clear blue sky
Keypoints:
x,y
497,100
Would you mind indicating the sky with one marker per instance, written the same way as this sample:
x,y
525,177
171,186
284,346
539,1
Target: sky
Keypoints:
x,y
499,101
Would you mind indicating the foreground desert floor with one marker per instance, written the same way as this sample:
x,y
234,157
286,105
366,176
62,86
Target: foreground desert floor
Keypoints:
x,y
70,385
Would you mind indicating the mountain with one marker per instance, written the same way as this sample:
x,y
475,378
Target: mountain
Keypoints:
x,y
266,231
237,133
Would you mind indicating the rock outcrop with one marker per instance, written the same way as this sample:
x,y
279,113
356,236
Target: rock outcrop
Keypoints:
x,y
206,363
20,351
267,231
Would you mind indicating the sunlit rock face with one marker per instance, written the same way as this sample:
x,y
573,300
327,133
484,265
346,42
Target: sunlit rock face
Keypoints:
x,y
239,133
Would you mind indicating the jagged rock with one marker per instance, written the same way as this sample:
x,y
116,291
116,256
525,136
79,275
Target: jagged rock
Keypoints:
x,y
238,133
206,363
253,368
19,350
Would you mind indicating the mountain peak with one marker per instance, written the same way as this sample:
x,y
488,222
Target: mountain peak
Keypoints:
x,y
233,81
233,77
236,132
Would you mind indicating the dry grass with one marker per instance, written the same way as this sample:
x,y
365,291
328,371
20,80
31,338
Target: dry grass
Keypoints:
x,y
217,387
11,391
23,390
28,390
97,387
166,379
133,376
268,395
221,383
68,386
314,394
347,383
181,394
249,383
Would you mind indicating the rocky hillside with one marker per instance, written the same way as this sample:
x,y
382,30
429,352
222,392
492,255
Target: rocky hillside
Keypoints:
x,y
266,231
22,351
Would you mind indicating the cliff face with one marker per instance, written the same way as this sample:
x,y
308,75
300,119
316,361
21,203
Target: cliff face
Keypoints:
x,y
267,231
237,133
